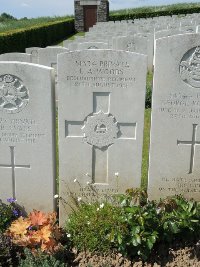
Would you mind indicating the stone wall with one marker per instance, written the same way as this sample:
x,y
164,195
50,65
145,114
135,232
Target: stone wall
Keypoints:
x,y
103,11
79,16
102,14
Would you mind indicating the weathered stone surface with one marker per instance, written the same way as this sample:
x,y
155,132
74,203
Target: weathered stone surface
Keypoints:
x,y
48,55
27,135
166,33
138,44
101,111
22,57
92,45
34,53
175,132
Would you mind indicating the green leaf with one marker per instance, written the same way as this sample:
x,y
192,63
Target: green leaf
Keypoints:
x,y
135,230
196,221
153,238
138,238
119,239
134,242
174,227
149,244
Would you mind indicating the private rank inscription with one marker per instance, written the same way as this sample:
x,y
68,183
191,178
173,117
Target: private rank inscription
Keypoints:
x,y
19,131
97,74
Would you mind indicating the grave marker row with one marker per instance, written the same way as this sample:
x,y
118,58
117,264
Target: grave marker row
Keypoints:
x,y
101,113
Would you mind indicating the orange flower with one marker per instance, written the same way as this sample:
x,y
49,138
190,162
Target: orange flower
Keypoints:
x,y
19,227
38,218
48,246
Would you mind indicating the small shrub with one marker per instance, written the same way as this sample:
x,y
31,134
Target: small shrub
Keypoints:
x,y
133,226
8,213
39,259
92,226
8,252
180,219
38,231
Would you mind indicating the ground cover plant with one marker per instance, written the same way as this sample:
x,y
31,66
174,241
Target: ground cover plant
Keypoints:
x,y
135,226
130,225
8,213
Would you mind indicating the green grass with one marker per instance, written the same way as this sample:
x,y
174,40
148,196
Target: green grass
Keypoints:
x,y
10,25
72,37
153,8
77,34
145,154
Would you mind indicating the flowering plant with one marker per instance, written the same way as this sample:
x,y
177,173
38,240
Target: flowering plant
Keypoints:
x,y
37,231
8,213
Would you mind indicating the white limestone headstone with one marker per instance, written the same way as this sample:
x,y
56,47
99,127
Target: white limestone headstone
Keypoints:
x,y
138,44
27,135
34,53
48,57
101,111
175,131
22,57
92,45
166,33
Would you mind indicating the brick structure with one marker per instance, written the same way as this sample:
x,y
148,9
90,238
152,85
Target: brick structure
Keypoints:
x,y
88,12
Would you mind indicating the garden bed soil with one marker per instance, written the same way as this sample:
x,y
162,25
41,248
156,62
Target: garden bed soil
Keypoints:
x,y
176,256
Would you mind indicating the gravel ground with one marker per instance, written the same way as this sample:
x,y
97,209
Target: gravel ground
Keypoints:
x,y
176,256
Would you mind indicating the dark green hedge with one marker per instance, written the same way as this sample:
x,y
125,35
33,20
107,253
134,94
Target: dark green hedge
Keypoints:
x,y
40,36
151,14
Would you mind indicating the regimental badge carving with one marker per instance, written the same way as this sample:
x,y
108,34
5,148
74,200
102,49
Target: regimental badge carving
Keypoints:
x,y
190,67
100,129
34,53
92,47
131,46
14,96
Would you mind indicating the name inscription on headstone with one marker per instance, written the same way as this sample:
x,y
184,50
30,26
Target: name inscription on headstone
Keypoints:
x,y
100,73
19,131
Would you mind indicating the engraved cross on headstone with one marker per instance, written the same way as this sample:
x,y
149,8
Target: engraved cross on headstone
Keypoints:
x,y
101,130
192,143
13,166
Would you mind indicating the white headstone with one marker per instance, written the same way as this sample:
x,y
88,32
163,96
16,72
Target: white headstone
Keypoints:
x,y
175,131
48,57
101,111
138,44
27,135
166,33
22,57
92,45
34,53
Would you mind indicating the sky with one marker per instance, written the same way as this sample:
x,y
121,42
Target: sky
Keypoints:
x,y
39,8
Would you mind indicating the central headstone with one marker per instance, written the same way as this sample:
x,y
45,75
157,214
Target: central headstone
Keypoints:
x,y
101,112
